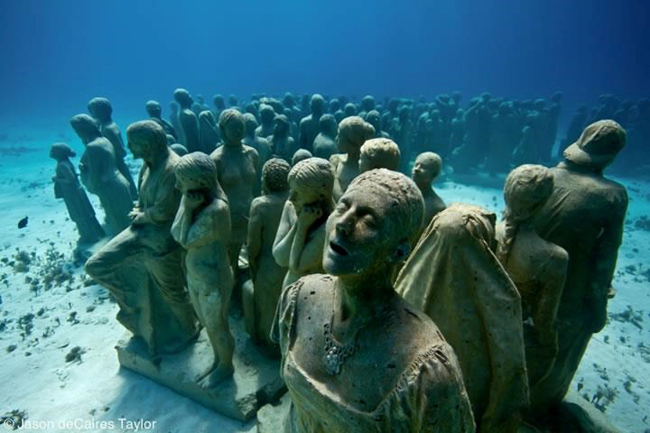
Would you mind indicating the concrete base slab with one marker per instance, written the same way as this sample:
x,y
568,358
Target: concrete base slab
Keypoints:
x,y
270,418
255,383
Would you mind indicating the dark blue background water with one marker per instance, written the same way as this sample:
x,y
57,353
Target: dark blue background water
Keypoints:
x,y
56,54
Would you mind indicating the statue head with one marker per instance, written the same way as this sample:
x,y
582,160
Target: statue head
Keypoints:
x,y
350,109
267,114
281,126
335,105
289,100
232,126
328,125
597,146
374,118
368,103
60,151
146,139
86,127
300,155
353,132
153,109
183,98
374,225
275,175
100,109
251,124
219,102
232,100
527,188
196,171
317,105
379,153
426,168
311,181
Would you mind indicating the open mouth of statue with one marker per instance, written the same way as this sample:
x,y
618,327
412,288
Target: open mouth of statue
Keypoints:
x,y
339,250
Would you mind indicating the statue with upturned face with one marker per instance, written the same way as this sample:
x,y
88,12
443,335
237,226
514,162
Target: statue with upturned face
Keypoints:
x,y
100,175
202,228
386,366
67,187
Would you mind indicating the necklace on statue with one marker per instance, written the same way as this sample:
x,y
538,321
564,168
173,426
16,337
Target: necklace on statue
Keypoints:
x,y
335,353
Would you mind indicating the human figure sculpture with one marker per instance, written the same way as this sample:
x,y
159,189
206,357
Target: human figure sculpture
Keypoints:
x,y
386,366
454,276
67,187
102,111
401,132
298,244
352,133
379,153
202,228
367,105
457,130
155,113
310,125
502,141
584,215
281,142
550,133
175,121
208,132
219,105
426,168
325,141
261,145
266,274
100,175
537,267
237,168
188,120
373,117
267,116
300,155
179,149
148,245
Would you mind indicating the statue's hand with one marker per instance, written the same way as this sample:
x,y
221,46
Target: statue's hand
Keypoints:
x,y
309,214
137,217
193,199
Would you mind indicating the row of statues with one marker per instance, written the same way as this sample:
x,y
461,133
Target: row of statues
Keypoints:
x,y
389,310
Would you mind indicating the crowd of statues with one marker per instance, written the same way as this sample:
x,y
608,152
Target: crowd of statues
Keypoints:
x,y
390,310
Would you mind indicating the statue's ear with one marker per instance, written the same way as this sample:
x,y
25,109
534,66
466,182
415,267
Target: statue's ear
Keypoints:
x,y
400,253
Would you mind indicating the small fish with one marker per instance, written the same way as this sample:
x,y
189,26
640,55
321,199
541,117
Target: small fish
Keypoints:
x,y
23,223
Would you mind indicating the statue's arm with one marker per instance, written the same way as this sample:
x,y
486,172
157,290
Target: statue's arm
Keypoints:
x,y
284,236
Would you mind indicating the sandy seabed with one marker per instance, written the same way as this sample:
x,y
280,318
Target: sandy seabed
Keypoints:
x,y
57,332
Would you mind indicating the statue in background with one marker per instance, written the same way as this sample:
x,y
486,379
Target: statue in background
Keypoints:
x,y
426,168
188,120
100,175
67,187
352,133
379,153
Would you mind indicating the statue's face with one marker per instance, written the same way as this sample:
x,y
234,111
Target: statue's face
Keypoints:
x,y
365,163
422,171
343,140
186,183
137,146
299,196
358,233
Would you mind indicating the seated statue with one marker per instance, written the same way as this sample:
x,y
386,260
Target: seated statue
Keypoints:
x,y
100,174
584,215
266,274
298,243
148,245
454,276
67,187
353,132
426,168
537,267
355,356
379,153
202,228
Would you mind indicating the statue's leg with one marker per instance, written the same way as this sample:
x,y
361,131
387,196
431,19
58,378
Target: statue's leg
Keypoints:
x,y
109,267
167,274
